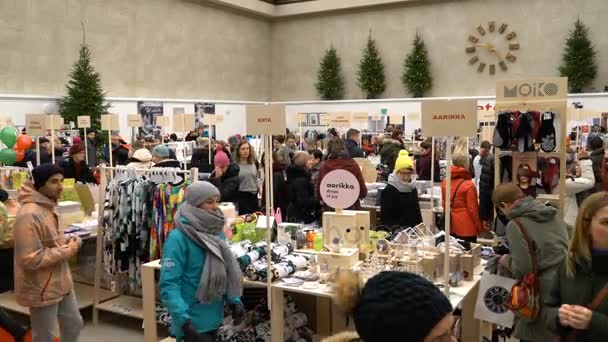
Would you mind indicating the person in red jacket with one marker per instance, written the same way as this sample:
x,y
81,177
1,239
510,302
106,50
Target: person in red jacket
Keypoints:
x,y
338,159
465,223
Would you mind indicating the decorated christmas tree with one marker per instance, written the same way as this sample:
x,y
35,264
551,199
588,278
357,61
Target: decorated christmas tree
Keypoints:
x,y
579,59
85,95
416,77
370,77
330,83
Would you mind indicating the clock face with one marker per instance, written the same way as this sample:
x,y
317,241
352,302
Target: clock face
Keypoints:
x,y
492,46
496,298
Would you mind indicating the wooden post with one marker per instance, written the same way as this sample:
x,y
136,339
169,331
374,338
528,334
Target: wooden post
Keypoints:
x,y
433,174
52,140
86,147
37,150
99,242
267,140
448,212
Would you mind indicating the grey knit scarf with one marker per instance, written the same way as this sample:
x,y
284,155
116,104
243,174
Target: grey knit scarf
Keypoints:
x,y
221,274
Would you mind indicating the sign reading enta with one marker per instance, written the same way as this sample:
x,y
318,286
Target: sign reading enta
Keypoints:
x,y
266,119
455,118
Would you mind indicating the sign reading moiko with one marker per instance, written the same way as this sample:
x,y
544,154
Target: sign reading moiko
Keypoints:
x,y
266,119
449,118
339,189
543,89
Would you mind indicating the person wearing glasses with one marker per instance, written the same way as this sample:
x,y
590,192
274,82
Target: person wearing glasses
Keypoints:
x,y
393,306
399,205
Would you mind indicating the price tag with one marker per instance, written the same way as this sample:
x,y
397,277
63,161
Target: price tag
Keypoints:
x,y
84,121
109,122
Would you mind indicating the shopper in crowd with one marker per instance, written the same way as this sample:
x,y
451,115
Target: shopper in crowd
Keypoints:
x,y
399,207
366,146
30,154
392,305
302,206
338,159
526,180
8,210
465,223
579,178
595,146
352,144
142,159
200,156
199,274
486,187
161,157
423,166
92,149
120,150
225,177
316,157
248,175
484,153
137,144
76,167
42,274
390,149
173,137
286,152
548,234
233,142
280,198
582,278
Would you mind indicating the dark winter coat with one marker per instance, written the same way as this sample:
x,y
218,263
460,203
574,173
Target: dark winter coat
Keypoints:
x,y
549,232
597,158
579,290
279,189
347,164
228,184
486,187
423,168
30,155
302,206
354,151
200,160
169,163
92,152
400,208
390,152
120,155
82,174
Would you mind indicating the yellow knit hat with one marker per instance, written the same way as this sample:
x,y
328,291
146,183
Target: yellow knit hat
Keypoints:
x,y
404,161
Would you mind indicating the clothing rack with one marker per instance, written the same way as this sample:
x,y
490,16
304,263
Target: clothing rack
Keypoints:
x,y
122,304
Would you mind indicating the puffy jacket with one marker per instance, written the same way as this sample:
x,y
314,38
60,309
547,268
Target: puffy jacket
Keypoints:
x,y
200,160
7,225
577,185
390,152
465,220
228,184
42,273
302,206
400,207
347,164
549,232
423,168
180,275
354,151
578,290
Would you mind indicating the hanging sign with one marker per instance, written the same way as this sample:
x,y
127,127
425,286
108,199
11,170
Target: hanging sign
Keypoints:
x,y
339,189
449,118
360,117
323,119
209,119
486,116
109,122
183,122
376,117
35,124
266,119
339,119
134,120
84,121
54,122
537,89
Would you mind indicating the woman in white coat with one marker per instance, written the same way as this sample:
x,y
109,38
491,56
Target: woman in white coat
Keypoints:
x,y
579,178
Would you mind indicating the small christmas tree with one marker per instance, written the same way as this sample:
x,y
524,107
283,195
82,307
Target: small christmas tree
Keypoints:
x,y
416,77
370,77
579,59
85,95
330,83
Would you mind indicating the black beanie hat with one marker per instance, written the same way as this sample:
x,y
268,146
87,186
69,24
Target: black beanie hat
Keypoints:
x,y
397,304
43,172
3,195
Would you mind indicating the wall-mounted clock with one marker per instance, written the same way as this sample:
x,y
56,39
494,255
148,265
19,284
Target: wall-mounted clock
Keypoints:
x,y
492,46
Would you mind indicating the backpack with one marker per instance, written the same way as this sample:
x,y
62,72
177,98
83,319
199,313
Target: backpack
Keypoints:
x,y
525,293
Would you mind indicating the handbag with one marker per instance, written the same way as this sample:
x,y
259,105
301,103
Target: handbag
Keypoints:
x,y
597,300
525,295
440,216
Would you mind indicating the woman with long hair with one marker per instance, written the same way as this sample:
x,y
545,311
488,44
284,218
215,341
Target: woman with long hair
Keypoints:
x,y
248,189
583,278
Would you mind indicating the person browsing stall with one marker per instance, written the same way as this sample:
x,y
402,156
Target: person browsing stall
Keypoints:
x,y
226,177
161,157
248,174
199,274
399,199
76,167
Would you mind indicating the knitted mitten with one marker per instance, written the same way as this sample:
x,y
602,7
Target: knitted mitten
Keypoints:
x,y
502,131
547,132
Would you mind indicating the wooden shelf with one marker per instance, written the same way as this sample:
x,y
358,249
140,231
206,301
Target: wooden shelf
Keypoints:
x,y
168,339
124,305
84,294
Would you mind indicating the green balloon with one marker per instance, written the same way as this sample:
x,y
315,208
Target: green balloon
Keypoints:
x,y
8,156
8,136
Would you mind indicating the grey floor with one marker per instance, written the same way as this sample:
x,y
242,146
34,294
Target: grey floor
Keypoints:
x,y
112,329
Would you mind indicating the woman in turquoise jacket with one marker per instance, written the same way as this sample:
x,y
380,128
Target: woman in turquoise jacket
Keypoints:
x,y
199,274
